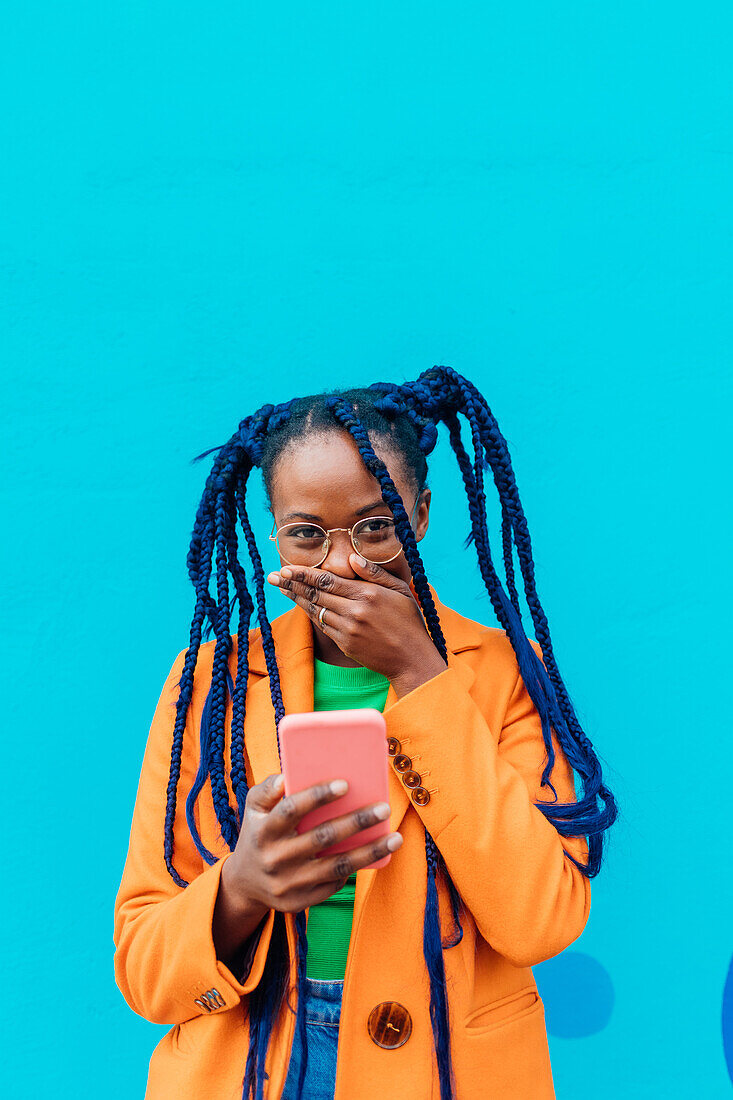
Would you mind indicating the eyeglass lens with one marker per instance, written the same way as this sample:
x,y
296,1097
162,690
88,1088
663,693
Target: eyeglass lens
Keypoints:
x,y
375,538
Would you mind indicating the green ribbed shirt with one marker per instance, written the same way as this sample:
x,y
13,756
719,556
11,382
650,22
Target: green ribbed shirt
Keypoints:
x,y
329,924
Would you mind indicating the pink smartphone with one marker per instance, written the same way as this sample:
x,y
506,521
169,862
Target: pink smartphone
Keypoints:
x,y
318,746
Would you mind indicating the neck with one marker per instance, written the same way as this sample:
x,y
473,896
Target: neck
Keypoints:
x,y
325,649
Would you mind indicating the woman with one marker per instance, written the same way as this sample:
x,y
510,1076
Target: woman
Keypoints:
x,y
432,994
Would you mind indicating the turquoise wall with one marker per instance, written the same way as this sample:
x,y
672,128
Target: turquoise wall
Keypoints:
x,y
210,207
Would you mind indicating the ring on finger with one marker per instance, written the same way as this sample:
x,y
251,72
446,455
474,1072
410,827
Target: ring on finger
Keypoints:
x,y
321,613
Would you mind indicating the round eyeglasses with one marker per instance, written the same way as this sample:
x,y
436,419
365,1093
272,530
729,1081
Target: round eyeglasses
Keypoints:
x,y
305,543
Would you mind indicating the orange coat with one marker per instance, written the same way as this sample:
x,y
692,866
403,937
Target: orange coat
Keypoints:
x,y
474,734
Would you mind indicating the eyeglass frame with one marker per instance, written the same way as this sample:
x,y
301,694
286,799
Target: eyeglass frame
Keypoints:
x,y
274,533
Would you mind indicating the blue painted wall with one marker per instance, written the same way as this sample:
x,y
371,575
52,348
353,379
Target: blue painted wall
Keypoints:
x,y
210,207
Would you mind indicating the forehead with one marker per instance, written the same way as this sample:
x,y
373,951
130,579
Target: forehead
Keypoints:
x,y
329,469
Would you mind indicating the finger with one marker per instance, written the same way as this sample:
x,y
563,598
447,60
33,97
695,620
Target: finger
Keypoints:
x,y
333,620
369,570
320,579
318,879
339,867
323,835
318,596
263,796
287,814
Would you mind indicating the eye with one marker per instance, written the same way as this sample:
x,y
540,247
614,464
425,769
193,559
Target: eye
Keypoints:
x,y
372,526
307,532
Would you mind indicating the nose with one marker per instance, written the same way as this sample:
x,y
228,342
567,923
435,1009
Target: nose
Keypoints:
x,y
337,558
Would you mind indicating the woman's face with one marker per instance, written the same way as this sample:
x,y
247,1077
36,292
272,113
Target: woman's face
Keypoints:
x,y
322,478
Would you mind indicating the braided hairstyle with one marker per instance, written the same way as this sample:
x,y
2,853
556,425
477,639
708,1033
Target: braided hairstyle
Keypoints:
x,y
405,418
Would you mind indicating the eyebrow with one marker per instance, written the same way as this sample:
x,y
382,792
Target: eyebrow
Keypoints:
x,y
317,519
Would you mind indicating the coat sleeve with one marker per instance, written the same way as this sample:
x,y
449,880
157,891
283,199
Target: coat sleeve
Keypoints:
x,y
505,858
165,960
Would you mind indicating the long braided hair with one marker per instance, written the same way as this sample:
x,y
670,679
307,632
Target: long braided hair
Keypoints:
x,y
405,416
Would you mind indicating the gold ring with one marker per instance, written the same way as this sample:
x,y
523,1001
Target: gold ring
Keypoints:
x,y
321,613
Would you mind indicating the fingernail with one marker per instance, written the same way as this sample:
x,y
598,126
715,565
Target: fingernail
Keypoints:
x,y
339,786
382,810
279,782
394,842
361,561
273,578
287,573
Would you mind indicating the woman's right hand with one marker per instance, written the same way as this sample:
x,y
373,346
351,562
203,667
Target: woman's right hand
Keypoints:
x,y
278,868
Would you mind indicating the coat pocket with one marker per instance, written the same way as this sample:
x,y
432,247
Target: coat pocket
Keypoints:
x,y
495,1013
186,1035
178,1047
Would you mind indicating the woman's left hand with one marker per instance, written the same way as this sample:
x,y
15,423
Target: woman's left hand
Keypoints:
x,y
375,621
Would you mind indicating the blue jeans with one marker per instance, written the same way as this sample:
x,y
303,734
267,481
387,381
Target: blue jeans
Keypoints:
x,y
322,1015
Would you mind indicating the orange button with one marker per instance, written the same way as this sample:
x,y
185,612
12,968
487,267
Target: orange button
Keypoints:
x,y
420,796
389,1025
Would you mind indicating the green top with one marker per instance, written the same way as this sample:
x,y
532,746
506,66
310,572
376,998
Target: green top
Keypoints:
x,y
329,923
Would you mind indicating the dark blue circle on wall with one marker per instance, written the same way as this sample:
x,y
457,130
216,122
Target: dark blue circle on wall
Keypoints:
x,y
727,1020
578,994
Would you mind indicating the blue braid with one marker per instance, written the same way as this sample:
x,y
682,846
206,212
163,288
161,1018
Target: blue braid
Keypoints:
x,y
259,1034
260,1038
505,611
224,497
211,760
344,414
441,393
508,553
432,946
433,953
237,694
398,401
574,741
200,552
222,651
238,691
